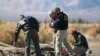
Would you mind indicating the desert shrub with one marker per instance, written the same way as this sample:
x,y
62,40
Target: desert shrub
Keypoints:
x,y
45,34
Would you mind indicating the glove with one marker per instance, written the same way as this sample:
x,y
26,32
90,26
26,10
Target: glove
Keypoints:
x,y
51,25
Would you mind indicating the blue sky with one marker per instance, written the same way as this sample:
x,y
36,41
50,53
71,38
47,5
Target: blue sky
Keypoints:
x,y
86,9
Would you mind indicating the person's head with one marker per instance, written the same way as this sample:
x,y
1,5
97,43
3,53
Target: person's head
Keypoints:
x,y
57,10
52,14
22,16
75,33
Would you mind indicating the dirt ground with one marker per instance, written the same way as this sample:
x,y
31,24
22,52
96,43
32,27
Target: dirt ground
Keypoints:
x,y
95,47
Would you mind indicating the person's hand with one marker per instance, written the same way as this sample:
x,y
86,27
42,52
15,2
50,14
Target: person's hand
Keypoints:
x,y
74,43
15,44
75,47
51,25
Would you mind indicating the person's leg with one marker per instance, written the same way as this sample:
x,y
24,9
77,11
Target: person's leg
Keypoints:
x,y
54,40
79,50
35,39
84,54
58,44
27,44
65,42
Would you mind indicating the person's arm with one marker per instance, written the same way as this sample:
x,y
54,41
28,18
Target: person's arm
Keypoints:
x,y
66,19
53,22
79,41
50,24
17,31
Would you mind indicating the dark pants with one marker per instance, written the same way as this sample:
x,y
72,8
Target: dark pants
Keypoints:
x,y
32,35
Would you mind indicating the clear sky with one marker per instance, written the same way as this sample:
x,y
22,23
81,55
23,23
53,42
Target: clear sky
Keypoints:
x,y
86,9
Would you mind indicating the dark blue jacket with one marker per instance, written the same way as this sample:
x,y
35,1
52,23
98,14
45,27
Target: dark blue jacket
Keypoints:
x,y
60,22
81,41
25,24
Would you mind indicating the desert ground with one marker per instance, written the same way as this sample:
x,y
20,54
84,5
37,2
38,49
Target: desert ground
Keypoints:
x,y
95,47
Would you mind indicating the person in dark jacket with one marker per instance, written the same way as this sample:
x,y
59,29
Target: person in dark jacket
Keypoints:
x,y
31,27
81,45
59,22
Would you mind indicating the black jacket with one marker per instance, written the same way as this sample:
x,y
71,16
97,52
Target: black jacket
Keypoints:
x,y
25,24
81,41
61,22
